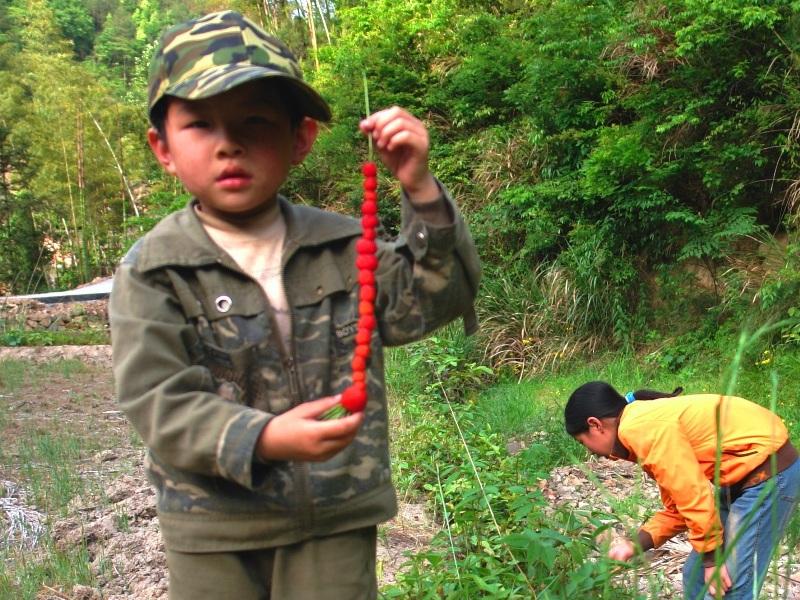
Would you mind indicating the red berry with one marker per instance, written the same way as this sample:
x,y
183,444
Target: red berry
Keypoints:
x,y
358,363
366,246
367,322
367,261
370,184
369,233
369,208
363,336
359,376
367,293
366,277
369,221
369,169
354,398
362,350
366,308
370,196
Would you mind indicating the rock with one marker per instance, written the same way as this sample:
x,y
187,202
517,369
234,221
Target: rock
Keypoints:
x,y
84,592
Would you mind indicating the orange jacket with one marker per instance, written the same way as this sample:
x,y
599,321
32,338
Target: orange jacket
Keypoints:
x,y
675,441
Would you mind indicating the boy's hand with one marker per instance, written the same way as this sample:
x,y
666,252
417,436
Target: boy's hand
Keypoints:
x,y
298,435
402,143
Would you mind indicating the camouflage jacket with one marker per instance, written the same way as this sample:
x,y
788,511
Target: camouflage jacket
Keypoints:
x,y
199,370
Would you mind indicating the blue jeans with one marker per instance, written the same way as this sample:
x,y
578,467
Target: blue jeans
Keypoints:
x,y
768,506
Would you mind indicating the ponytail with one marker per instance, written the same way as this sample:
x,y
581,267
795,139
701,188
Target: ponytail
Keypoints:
x,y
654,395
600,400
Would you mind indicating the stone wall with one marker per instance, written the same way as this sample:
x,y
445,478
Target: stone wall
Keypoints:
x,y
32,315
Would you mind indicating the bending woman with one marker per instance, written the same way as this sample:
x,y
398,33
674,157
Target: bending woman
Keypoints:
x,y
676,440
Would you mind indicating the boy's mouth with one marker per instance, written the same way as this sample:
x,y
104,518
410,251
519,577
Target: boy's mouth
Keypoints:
x,y
233,178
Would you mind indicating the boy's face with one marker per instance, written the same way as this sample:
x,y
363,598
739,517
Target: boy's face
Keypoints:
x,y
232,151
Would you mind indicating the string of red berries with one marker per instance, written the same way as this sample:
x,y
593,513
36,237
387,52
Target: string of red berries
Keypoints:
x,y
354,398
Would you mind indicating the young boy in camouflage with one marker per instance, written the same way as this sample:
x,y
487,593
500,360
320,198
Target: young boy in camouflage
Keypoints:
x,y
233,323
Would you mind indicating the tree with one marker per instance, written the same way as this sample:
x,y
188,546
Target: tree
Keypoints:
x,y
75,23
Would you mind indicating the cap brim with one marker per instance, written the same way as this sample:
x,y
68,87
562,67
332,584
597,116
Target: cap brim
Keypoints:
x,y
226,77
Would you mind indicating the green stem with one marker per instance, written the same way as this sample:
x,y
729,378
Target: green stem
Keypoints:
x,y
335,412
366,107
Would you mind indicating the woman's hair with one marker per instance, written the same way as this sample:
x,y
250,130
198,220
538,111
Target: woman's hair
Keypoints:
x,y
600,400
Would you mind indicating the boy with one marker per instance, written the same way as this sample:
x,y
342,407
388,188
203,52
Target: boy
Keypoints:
x,y
233,325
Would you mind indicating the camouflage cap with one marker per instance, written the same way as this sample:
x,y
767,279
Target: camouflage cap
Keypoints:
x,y
215,53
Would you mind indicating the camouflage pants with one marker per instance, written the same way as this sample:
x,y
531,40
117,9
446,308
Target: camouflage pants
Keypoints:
x,y
337,567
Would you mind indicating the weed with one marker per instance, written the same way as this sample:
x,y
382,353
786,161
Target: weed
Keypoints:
x,y
122,520
50,466
61,337
12,374
50,568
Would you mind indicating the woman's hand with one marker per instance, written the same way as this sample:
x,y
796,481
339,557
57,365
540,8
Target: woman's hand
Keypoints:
x,y
621,550
722,577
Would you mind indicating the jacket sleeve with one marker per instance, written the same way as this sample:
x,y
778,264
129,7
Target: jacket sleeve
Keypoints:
x,y
427,277
187,420
667,454
666,523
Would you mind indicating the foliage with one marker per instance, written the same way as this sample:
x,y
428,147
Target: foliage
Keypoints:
x,y
78,337
599,148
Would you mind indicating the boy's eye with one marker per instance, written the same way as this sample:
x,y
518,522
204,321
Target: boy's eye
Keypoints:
x,y
197,124
257,120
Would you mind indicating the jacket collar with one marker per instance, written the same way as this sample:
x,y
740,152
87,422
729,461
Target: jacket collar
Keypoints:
x,y
180,240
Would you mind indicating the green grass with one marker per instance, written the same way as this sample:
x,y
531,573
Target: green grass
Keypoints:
x,y
50,567
12,375
13,372
50,464
61,337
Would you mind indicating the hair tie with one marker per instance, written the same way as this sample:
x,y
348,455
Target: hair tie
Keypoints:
x,y
629,397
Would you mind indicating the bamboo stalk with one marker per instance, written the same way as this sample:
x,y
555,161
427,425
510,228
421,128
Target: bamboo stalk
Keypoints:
x,y
324,21
312,31
120,170
69,235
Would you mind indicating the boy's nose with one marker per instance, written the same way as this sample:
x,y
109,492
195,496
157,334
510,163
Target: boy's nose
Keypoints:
x,y
230,143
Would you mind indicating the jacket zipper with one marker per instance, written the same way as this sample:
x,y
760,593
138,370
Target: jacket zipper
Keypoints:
x,y
304,508
304,511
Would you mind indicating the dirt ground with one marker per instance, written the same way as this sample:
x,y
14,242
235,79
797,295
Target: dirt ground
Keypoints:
x,y
116,519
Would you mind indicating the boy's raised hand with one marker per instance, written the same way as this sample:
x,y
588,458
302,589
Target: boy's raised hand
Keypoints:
x,y
402,143
297,434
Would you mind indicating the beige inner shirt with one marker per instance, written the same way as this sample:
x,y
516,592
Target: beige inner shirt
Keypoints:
x,y
257,247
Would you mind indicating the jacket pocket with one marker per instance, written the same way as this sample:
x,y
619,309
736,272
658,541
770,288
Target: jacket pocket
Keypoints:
x,y
230,369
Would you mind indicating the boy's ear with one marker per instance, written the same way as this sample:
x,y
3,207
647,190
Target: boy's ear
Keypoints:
x,y
304,139
160,149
